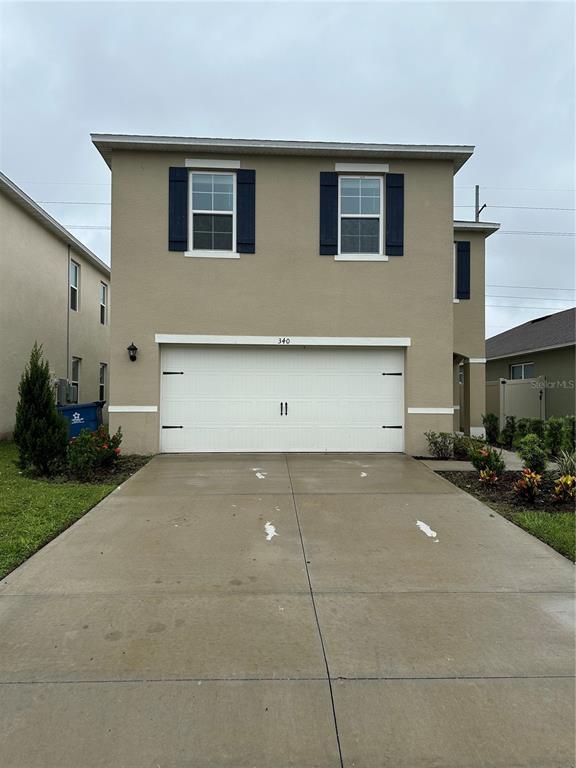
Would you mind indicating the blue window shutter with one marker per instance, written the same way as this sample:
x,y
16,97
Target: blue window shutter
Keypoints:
x,y
328,213
178,209
463,269
394,214
245,211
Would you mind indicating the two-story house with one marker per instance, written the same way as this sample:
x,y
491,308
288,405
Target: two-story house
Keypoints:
x,y
55,291
291,295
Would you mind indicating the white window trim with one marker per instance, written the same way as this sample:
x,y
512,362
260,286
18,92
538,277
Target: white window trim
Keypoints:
x,y
204,163
381,255
76,287
202,254
105,304
362,167
523,366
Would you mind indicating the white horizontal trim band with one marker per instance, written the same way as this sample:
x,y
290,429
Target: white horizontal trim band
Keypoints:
x,y
206,163
449,410
133,409
212,254
284,341
476,360
362,167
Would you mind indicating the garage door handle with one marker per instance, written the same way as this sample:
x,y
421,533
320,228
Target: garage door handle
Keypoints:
x,y
285,409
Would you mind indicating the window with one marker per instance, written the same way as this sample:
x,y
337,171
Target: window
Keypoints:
x,y
102,381
360,214
213,211
522,371
74,286
103,303
75,380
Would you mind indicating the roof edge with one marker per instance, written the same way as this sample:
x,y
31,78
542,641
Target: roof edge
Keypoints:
x,y
19,197
105,143
530,351
485,227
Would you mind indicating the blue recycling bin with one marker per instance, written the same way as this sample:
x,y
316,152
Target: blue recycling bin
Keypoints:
x,y
82,416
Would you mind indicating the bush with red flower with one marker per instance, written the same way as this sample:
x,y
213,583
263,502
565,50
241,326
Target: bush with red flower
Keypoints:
x,y
92,451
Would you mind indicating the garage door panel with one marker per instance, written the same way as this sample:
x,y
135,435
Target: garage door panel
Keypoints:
x,y
228,399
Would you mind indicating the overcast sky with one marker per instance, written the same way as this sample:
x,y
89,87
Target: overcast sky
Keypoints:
x,y
496,75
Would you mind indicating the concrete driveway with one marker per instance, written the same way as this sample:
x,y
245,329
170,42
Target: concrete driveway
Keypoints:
x,y
276,611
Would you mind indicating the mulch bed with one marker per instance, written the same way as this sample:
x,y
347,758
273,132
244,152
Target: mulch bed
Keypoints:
x,y
503,491
117,474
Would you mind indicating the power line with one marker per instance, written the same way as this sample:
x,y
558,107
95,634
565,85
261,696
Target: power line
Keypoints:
x,y
86,226
529,287
520,207
531,234
524,306
524,189
532,298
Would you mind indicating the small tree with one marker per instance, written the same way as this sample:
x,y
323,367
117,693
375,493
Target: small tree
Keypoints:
x,y
40,433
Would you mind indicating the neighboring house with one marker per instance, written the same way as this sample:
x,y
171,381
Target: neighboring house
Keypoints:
x,y
55,291
536,360
291,296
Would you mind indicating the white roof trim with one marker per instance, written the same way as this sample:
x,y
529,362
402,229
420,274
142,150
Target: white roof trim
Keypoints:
x,y
294,341
487,227
19,197
107,142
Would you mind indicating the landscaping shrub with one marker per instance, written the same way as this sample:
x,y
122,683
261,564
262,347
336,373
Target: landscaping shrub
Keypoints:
x,y
487,458
566,461
565,489
440,444
507,434
537,428
528,487
522,429
91,451
490,422
463,445
569,433
488,477
532,453
553,435
40,433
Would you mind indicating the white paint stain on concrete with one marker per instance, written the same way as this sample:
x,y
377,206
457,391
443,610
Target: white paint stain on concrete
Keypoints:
x,y
363,474
270,531
425,528
259,473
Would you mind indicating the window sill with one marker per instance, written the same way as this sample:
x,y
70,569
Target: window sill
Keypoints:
x,y
360,257
455,301
212,254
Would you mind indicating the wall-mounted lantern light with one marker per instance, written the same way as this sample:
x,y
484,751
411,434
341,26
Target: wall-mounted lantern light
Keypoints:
x,y
132,351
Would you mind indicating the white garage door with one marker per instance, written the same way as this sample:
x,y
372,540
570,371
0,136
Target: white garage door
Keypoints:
x,y
281,399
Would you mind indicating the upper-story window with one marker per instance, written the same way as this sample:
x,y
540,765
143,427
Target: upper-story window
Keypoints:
x,y
213,211
103,303
360,215
522,371
75,380
74,286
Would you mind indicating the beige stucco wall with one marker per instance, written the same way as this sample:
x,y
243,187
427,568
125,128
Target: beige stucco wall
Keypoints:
x,y
34,307
558,366
286,287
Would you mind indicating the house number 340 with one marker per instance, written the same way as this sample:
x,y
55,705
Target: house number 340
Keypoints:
x,y
283,340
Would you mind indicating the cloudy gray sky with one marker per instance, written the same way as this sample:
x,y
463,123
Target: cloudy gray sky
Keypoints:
x,y
497,75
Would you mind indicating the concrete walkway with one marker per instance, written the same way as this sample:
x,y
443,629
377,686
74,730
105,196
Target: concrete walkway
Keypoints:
x,y
272,611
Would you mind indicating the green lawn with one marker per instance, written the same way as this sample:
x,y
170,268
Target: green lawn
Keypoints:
x,y
32,512
555,528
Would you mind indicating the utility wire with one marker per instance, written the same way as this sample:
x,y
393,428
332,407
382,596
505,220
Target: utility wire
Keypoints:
x,y
531,298
529,287
519,207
